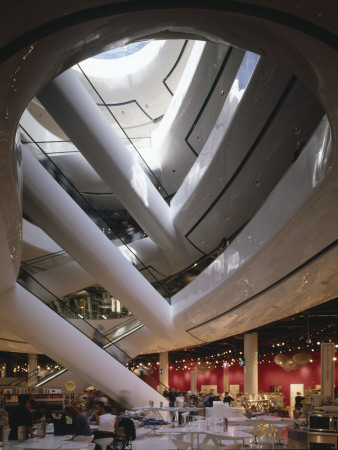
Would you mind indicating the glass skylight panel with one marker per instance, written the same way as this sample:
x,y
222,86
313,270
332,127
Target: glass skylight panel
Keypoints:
x,y
121,52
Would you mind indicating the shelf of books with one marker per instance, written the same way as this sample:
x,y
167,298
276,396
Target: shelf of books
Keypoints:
x,y
52,398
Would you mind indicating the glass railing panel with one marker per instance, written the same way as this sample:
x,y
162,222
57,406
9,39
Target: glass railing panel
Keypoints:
x,y
46,262
67,313
123,330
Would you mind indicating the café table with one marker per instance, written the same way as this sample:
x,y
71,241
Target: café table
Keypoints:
x,y
209,432
255,422
155,411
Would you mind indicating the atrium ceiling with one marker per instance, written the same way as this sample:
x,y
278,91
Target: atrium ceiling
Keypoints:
x,y
209,135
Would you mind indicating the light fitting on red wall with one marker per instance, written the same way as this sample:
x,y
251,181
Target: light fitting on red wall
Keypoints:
x,y
295,362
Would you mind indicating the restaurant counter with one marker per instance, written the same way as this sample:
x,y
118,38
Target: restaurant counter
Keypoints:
x,y
302,438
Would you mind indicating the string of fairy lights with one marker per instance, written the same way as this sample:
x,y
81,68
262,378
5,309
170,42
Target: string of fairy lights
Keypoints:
x,y
16,364
233,356
21,369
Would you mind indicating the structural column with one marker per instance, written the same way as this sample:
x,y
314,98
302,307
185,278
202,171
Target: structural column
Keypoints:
x,y
32,367
251,363
3,370
225,377
164,371
327,352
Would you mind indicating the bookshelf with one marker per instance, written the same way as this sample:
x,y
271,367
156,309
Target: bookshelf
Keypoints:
x,y
53,398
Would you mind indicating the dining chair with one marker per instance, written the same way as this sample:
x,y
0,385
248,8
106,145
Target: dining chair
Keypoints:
x,y
103,442
279,428
184,417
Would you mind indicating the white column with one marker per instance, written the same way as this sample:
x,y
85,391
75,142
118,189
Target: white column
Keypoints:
x,y
49,333
51,208
225,377
193,380
32,366
75,111
251,363
164,371
327,352
3,370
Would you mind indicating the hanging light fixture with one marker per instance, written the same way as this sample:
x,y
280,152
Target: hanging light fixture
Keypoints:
x,y
308,340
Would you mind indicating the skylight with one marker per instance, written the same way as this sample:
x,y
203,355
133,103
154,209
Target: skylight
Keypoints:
x,y
121,52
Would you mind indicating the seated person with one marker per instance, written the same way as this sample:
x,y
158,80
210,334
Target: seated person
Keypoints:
x,y
125,433
99,410
81,427
211,400
107,426
208,400
42,414
227,398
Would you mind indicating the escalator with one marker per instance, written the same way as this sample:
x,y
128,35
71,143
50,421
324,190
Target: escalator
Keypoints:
x,y
113,235
107,343
127,323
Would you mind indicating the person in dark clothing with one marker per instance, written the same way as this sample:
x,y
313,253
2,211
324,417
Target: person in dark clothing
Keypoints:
x,y
21,416
172,397
211,400
227,398
81,427
42,414
299,401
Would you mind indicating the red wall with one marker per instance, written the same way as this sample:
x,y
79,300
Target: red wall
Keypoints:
x,y
236,376
274,375
269,374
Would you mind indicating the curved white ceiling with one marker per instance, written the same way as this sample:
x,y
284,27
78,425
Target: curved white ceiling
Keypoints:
x,y
293,238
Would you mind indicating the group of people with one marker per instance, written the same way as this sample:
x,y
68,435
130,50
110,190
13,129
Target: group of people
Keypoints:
x,y
26,414
178,398
209,399
107,423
